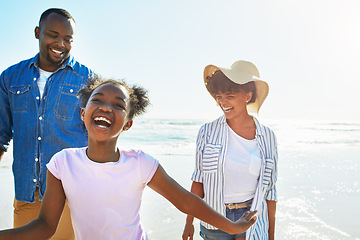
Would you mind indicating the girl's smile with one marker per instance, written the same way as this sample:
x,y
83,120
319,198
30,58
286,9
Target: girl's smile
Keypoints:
x,y
102,122
105,114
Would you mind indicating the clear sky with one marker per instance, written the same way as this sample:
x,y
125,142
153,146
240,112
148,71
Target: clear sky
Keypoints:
x,y
307,50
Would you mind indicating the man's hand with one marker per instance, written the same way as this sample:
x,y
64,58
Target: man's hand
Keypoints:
x,y
1,153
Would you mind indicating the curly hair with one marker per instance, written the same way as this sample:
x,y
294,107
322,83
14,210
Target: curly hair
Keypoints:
x,y
138,95
219,83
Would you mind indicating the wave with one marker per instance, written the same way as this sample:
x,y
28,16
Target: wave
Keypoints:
x,y
176,122
176,135
347,142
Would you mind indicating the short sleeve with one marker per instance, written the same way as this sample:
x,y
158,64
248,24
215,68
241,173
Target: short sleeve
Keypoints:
x,y
52,166
148,167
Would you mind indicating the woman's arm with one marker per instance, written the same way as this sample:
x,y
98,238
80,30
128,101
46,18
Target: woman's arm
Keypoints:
x,y
45,225
271,195
271,215
197,188
191,204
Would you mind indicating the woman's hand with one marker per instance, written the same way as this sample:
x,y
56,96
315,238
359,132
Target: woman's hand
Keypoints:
x,y
188,232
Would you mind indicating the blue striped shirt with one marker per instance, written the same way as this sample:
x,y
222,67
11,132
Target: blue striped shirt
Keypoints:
x,y
211,147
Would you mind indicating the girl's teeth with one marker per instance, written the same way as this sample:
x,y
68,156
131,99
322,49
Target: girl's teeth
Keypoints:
x,y
102,119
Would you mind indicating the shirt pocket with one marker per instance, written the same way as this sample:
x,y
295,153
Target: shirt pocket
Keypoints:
x,y
20,97
211,157
269,166
66,101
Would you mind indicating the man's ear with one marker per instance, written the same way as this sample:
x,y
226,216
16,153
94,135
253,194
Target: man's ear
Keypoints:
x,y
127,125
37,32
82,113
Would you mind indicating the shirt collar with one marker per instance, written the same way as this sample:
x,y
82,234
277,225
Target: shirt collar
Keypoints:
x,y
259,131
222,119
70,62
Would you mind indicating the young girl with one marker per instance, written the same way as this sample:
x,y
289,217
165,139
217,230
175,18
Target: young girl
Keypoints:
x,y
236,158
103,185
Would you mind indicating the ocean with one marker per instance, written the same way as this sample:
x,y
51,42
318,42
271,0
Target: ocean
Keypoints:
x,y
318,177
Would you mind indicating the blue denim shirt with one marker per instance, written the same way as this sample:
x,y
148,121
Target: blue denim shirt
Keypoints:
x,y
40,127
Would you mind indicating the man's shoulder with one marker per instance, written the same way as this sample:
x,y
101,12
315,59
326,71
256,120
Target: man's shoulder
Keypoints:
x,y
20,65
79,67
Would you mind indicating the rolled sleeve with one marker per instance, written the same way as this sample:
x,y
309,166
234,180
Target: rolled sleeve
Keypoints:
x,y
271,193
197,175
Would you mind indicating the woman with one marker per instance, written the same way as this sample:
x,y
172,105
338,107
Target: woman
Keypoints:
x,y
236,158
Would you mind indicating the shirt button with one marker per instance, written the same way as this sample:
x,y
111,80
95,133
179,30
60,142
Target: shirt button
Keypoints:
x,y
37,98
34,79
40,118
18,92
71,90
34,180
39,138
36,159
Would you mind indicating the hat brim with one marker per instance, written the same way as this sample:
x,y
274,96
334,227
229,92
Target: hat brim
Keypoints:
x,y
238,77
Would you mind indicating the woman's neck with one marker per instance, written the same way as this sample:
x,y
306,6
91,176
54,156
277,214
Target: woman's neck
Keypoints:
x,y
243,126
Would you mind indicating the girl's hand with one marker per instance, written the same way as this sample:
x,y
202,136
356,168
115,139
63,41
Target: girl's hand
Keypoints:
x,y
246,220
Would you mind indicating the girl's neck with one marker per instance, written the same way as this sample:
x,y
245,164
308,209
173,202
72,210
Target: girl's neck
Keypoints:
x,y
103,152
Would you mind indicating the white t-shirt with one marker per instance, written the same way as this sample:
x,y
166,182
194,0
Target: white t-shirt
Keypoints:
x,y
242,168
104,198
44,75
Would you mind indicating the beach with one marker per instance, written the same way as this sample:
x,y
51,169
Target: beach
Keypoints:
x,y
318,184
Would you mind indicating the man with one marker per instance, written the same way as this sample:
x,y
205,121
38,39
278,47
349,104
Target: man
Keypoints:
x,y
40,111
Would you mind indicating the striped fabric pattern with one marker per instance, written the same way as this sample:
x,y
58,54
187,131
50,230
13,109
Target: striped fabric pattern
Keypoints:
x,y
211,147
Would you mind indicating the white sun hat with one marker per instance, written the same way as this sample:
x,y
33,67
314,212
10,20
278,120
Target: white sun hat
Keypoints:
x,y
242,72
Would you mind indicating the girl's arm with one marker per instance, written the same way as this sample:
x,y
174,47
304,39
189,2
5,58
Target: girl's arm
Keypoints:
x,y
45,225
191,204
